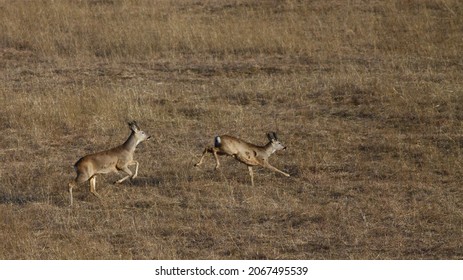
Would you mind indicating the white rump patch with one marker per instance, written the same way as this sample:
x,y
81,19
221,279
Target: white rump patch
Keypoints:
x,y
217,141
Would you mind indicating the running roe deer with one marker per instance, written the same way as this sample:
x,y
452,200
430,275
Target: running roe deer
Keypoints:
x,y
245,152
112,160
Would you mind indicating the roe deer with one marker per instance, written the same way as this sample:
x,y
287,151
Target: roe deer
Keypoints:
x,y
245,152
112,160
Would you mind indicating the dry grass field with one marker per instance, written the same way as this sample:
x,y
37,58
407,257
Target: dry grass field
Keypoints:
x,y
366,95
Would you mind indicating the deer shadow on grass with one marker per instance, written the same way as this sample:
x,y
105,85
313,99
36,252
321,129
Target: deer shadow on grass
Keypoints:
x,y
17,199
144,182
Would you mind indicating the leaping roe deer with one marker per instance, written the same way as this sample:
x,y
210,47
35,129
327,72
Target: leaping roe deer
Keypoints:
x,y
245,152
112,160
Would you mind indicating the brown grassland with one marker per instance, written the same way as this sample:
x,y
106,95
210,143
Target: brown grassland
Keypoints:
x,y
366,95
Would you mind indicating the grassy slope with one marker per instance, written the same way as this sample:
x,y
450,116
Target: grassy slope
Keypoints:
x,y
367,96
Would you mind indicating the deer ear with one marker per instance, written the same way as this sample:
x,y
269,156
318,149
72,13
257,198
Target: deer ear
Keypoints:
x,y
271,136
133,126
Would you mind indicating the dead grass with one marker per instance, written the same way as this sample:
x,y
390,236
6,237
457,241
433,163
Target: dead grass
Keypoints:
x,y
367,95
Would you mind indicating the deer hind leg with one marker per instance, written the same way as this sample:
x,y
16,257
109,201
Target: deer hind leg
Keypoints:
x,y
81,177
251,174
71,185
93,187
206,150
267,165
217,162
212,151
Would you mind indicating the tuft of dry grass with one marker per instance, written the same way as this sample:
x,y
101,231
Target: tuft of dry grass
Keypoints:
x,y
367,95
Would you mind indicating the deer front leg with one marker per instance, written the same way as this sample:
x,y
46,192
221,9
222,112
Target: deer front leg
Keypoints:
x,y
126,170
136,169
267,165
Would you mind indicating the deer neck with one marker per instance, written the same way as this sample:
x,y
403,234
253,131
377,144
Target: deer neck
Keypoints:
x,y
269,149
131,143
